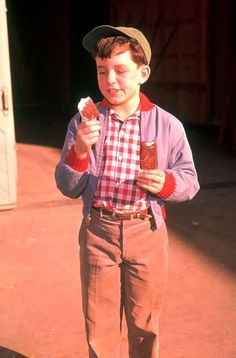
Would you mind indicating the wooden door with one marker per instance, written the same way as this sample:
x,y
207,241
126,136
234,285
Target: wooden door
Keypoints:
x,y
178,33
8,169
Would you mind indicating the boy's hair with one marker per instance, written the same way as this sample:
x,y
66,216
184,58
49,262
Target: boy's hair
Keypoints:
x,y
109,46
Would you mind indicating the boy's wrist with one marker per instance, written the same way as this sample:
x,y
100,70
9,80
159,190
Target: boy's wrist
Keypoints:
x,y
77,162
168,187
79,153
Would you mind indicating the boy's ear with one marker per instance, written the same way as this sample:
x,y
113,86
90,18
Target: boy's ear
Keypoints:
x,y
145,73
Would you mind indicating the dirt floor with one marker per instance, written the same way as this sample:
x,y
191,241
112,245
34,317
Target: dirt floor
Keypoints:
x,y
40,309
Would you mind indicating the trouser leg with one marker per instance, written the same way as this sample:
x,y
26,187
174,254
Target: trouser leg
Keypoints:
x,y
104,245
101,289
145,275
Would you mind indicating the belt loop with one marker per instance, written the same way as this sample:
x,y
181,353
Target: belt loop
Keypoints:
x,y
100,212
88,219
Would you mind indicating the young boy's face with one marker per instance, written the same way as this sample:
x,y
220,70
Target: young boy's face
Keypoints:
x,y
119,78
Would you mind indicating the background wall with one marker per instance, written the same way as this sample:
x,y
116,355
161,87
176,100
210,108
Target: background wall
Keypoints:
x,y
192,65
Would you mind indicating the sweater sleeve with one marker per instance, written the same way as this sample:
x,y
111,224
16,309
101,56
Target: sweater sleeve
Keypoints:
x,y
71,174
168,188
181,167
75,162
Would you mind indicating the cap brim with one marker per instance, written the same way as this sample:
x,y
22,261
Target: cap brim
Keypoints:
x,y
90,40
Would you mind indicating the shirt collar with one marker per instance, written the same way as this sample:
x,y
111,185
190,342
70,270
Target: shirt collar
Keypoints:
x,y
145,104
135,115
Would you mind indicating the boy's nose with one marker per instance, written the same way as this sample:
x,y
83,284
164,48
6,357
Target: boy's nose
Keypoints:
x,y
111,77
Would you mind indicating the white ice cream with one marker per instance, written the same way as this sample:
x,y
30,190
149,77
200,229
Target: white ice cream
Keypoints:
x,y
82,103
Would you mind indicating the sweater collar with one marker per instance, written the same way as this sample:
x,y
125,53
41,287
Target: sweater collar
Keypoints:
x,y
145,104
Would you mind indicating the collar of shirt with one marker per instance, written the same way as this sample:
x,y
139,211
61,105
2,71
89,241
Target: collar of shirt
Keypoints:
x,y
145,104
135,115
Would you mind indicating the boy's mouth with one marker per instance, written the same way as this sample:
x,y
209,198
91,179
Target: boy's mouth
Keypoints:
x,y
113,91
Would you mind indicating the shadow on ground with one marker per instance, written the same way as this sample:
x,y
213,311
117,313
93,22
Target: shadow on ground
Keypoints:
x,y
8,353
208,221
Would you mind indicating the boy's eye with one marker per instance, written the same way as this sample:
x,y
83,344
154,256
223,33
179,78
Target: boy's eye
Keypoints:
x,y
121,71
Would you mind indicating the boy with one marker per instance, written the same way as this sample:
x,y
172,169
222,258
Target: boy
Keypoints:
x,y
123,237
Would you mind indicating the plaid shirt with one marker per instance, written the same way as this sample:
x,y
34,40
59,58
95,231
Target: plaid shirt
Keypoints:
x,y
117,188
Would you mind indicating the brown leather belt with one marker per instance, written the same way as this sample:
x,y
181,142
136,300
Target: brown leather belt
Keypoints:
x,y
125,215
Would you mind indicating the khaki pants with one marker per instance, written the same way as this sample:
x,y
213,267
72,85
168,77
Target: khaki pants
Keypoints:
x,y
123,267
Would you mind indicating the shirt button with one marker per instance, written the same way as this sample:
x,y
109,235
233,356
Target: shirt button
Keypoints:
x,y
122,133
120,158
117,185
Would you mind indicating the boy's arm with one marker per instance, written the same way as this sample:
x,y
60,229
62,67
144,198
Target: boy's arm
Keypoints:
x,y
178,181
71,173
181,167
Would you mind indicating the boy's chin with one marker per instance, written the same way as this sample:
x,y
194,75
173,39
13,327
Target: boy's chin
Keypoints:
x,y
115,101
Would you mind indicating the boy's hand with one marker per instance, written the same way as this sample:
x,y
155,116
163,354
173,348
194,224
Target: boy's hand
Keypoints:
x,y
87,135
151,180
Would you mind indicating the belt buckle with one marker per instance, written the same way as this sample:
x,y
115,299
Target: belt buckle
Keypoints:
x,y
116,214
144,217
126,215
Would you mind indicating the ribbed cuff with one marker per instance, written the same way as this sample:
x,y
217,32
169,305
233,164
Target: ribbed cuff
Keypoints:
x,y
75,162
168,188
163,211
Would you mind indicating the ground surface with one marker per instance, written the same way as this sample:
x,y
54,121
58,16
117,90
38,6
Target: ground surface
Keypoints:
x,y
40,310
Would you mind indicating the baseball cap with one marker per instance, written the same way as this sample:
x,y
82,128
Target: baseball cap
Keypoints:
x,y
90,40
